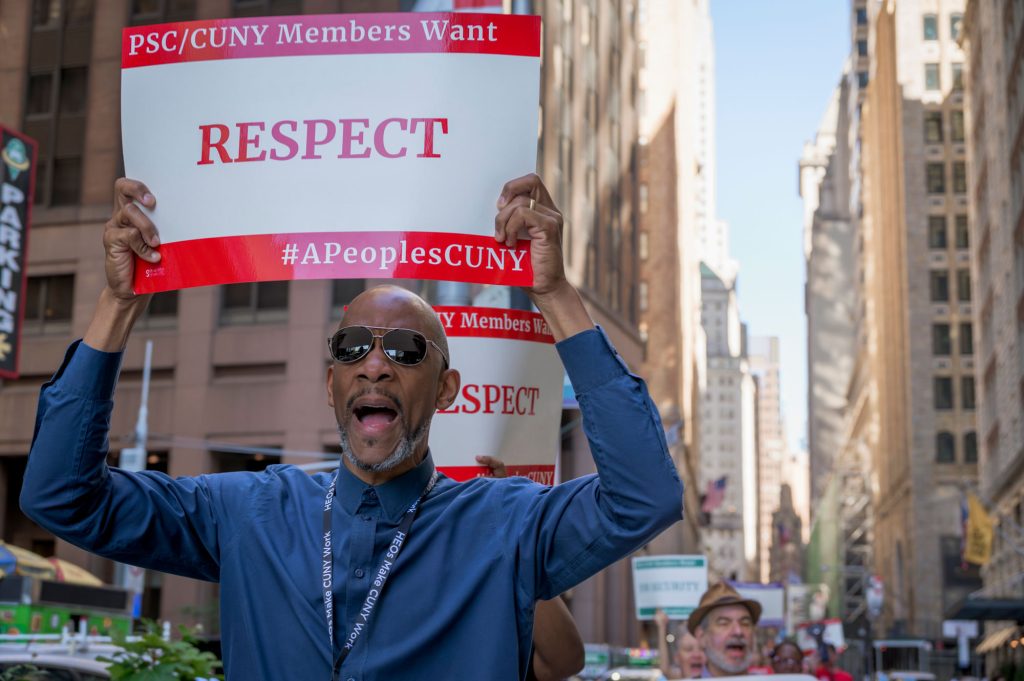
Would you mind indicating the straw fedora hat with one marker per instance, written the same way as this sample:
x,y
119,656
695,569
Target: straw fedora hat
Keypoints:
x,y
718,595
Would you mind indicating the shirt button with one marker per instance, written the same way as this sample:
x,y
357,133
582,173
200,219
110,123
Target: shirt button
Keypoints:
x,y
358,573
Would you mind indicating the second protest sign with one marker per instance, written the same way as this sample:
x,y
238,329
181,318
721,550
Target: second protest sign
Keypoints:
x,y
510,402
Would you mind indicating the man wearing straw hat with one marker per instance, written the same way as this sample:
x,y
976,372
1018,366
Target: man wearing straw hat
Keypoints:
x,y
724,626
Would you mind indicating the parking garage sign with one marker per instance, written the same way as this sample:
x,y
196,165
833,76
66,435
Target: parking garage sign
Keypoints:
x,y
17,183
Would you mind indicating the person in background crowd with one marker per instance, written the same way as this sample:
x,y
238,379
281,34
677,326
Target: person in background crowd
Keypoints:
x,y
723,624
787,658
759,664
557,646
827,671
689,658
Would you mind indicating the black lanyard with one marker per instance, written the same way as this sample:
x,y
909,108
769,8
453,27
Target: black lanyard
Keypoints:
x,y
380,578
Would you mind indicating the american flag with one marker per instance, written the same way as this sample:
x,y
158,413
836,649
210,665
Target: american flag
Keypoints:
x,y
715,495
784,536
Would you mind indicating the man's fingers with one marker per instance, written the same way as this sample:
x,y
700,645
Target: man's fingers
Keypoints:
x,y
529,186
132,217
501,231
142,249
127,191
118,239
538,222
496,465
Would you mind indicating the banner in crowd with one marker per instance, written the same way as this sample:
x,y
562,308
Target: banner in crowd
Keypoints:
x,y
772,598
17,187
672,583
805,603
510,402
348,146
830,631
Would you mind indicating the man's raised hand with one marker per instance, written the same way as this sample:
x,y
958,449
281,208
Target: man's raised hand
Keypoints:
x,y
129,232
525,208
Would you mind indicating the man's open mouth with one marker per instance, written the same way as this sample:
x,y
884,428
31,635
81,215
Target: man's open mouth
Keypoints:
x,y
735,648
375,417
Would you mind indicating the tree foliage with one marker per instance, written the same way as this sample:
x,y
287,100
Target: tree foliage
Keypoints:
x,y
151,658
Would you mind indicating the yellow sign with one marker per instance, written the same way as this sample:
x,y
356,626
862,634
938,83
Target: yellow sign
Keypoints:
x,y
978,544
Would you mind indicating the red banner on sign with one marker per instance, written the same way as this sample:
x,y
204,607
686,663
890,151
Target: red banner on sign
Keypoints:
x,y
394,33
337,255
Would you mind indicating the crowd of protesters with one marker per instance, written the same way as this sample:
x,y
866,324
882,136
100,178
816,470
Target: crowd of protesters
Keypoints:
x,y
718,640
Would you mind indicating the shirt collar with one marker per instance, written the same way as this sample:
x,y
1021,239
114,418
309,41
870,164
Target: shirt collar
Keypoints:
x,y
396,495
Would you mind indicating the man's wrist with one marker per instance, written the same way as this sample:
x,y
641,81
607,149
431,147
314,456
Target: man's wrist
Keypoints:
x,y
113,320
563,310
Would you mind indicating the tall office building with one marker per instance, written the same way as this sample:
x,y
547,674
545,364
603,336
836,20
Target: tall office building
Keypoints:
x,y
728,436
993,40
920,308
772,451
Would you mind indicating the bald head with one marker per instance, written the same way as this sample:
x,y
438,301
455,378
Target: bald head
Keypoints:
x,y
389,300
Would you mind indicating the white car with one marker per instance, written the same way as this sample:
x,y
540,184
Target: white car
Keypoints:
x,y
55,667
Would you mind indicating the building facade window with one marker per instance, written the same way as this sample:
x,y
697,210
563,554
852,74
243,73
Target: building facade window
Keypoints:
x,y
956,21
937,231
963,285
162,311
959,177
344,291
945,447
265,301
932,127
931,77
161,11
943,387
931,27
963,235
966,339
956,125
935,174
958,77
48,304
942,342
939,286
57,96
862,16
862,79
971,447
263,8
967,392
862,48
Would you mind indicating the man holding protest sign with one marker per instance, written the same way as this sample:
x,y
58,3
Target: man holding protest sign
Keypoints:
x,y
302,560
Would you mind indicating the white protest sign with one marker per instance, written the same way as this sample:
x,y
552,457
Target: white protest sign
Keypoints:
x,y
510,402
334,146
772,598
672,583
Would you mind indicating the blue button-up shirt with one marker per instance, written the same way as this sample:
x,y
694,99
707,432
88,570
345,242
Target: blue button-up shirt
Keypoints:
x,y
460,600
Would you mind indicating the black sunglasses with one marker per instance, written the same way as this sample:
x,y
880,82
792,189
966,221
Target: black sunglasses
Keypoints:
x,y
402,346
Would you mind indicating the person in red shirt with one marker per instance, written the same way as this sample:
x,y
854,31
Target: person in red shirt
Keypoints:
x,y
827,671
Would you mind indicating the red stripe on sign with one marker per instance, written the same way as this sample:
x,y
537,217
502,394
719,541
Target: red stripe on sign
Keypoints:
x,y
396,33
545,475
335,255
494,322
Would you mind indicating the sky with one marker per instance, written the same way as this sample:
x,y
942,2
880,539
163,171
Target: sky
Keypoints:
x,y
776,65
